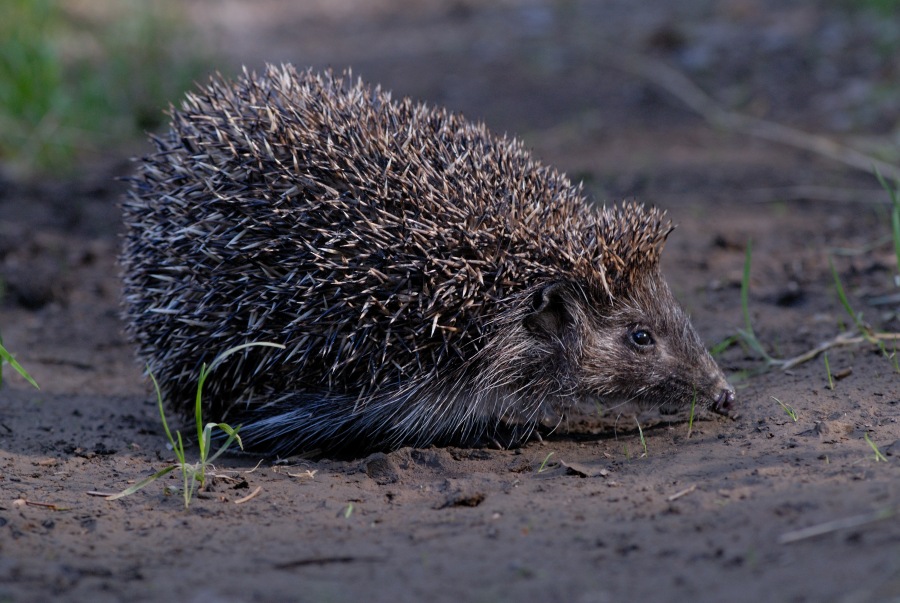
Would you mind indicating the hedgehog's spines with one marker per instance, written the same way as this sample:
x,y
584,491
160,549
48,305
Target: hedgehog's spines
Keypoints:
x,y
391,247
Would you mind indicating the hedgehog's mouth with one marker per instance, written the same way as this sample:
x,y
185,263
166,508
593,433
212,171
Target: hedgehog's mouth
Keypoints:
x,y
723,403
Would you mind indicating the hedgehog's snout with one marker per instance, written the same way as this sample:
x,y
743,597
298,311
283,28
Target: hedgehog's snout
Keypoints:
x,y
723,403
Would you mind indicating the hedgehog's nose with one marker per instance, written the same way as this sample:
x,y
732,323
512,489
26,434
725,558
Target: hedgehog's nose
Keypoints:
x,y
724,401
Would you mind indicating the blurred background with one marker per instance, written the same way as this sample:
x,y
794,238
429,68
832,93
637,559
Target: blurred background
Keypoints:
x,y
591,85
699,107
747,120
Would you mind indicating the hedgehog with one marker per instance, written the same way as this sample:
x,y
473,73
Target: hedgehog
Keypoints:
x,y
431,283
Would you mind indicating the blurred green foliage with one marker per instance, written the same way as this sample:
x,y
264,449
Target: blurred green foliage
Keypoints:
x,y
78,77
888,8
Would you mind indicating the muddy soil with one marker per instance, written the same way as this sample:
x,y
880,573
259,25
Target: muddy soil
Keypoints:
x,y
589,515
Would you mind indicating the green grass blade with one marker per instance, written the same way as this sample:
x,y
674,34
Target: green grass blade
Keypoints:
x,y
842,296
745,289
143,483
895,224
750,339
723,345
179,452
206,441
232,433
5,356
879,456
204,373
232,437
221,357
162,410
691,419
787,408
188,473
747,333
641,432
891,191
198,409
544,464
894,194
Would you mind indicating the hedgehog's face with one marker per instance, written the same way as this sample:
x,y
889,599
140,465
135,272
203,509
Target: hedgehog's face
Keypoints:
x,y
642,349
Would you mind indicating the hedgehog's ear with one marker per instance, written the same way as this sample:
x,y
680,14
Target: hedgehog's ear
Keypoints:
x,y
549,313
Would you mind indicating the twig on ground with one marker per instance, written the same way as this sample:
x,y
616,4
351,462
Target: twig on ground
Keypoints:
x,y
681,493
843,339
250,496
838,524
680,86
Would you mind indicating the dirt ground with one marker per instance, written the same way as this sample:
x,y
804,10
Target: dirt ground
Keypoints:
x,y
710,517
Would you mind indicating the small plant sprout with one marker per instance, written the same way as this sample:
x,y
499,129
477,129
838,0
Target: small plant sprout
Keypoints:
x,y
5,356
641,433
723,345
746,334
194,474
895,360
862,327
866,332
828,372
691,418
894,194
895,229
544,464
879,456
861,334
788,409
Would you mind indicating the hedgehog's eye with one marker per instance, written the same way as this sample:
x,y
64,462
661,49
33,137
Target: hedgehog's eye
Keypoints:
x,y
642,338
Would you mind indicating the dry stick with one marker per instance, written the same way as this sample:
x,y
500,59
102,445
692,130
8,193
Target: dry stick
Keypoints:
x,y
811,191
842,339
34,503
838,524
250,496
804,191
691,95
681,493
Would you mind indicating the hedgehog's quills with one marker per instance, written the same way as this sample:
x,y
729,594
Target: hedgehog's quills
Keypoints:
x,y
432,283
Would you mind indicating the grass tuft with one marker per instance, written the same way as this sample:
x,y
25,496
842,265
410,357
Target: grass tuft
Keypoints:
x,y
894,194
861,326
788,409
828,372
894,358
544,464
691,418
194,475
641,433
879,456
747,335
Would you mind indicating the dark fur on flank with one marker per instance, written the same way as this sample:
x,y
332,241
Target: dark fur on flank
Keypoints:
x,y
432,282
